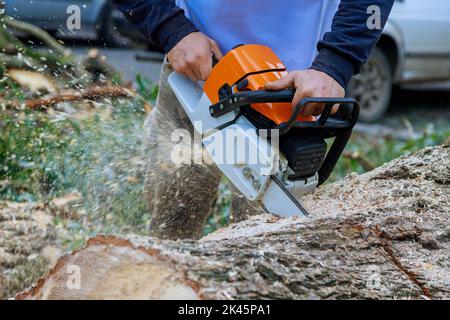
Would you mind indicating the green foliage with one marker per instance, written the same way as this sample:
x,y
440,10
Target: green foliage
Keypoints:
x,y
105,164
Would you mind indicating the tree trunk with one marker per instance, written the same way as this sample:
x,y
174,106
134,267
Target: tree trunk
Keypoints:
x,y
384,234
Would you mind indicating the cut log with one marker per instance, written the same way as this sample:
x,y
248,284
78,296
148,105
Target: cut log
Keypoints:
x,y
384,234
30,243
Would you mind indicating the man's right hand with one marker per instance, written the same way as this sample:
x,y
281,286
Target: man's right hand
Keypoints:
x,y
193,56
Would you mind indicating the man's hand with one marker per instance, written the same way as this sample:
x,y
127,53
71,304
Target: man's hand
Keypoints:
x,y
193,56
309,84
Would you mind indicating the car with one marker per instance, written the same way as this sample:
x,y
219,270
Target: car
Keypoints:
x,y
414,50
99,20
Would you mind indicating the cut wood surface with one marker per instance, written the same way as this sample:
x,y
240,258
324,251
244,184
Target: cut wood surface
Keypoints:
x,y
384,234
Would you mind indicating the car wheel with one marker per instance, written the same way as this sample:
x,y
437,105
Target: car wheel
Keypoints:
x,y
373,87
108,32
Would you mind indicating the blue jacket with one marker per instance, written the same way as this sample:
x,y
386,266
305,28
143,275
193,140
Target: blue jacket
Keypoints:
x,y
341,52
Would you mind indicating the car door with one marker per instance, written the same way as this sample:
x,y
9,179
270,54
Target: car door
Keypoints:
x,y
425,26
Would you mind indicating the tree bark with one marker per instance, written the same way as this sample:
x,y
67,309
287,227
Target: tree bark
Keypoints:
x,y
384,234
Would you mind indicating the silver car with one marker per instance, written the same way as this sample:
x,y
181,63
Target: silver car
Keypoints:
x,y
413,51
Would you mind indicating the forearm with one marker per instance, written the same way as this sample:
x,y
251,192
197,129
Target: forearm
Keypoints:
x,y
159,20
348,45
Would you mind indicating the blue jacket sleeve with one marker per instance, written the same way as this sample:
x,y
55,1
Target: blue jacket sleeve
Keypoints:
x,y
159,20
348,45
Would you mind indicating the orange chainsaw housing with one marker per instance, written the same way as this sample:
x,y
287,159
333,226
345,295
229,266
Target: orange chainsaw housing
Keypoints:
x,y
258,65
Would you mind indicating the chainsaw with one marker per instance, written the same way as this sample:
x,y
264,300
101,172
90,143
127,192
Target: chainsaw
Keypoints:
x,y
262,144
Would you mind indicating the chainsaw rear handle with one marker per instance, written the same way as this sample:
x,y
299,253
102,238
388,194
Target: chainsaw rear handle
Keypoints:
x,y
334,126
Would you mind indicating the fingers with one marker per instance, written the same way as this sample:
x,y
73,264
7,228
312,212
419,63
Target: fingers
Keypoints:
x,y
216,50
291,81
184,67
299,96
283,83
206,66
200,66
301,93
317,109
193,67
